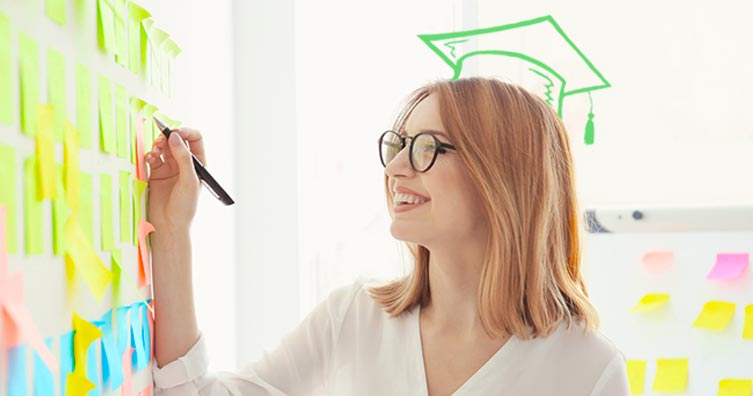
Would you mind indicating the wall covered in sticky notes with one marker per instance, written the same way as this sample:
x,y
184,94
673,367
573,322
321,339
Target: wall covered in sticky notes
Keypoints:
x,y
680,307
79,82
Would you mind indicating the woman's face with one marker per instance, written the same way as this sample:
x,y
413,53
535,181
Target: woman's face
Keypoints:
x,y
452,211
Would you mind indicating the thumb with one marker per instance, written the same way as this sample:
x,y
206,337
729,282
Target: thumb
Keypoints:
x,y
183,157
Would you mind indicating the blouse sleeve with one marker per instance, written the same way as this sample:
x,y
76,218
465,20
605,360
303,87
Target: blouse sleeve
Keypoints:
x,y
297,366
613,381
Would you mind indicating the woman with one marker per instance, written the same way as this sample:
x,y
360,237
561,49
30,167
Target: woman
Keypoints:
x,y
496,304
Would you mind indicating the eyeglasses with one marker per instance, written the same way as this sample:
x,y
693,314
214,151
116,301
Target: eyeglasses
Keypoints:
x,y
423,149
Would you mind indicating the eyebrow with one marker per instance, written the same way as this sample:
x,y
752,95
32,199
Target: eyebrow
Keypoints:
x,y
402,132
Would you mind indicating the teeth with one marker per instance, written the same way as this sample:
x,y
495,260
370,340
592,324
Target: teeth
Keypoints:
x,y
407,198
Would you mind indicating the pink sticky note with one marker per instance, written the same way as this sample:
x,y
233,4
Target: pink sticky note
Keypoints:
x,y
11,289
147,391
729,266
140,165
145,269
150,319
127,387
658,260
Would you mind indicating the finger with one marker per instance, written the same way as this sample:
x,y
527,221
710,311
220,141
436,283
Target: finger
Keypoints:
x,y
159,169
184,160
195,142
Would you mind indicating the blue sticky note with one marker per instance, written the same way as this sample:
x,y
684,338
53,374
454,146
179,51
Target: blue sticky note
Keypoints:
x,y
42,375
112,362
92,368
145,332
122,329
66,359
17,371
137,339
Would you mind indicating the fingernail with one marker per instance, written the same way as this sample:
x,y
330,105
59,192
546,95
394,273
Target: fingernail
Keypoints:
x,y
175,139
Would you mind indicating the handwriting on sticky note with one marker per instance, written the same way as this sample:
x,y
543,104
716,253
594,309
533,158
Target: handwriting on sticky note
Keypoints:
x,y
671,375
715,315
650,302
729,266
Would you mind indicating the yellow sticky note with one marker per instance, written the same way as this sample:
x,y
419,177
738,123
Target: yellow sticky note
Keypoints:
x,y
715,315
71,176
60,213
84,333
29,74
86,206
56,90
33,226
84,105
45,154
671,375
106,122
6,84
748,325
650,302
8,179
105,205
126,213
56,11
636,370
88,264
735,387
78,385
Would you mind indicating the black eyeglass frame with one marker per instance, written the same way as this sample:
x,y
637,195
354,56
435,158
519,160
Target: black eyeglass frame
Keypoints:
x,y
439,148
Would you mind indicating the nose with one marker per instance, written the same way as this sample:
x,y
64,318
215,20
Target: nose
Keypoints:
x,y
400,165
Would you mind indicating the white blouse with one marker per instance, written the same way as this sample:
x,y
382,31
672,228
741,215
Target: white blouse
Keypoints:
x,y
349,346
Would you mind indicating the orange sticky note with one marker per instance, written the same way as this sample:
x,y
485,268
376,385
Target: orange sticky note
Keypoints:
x,y
671,375
45,154
650,302
127,386
636,370
735,387
715,315
145,270
86,261
748,326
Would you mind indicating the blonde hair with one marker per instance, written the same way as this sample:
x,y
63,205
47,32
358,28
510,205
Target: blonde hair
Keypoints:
x,y
517,154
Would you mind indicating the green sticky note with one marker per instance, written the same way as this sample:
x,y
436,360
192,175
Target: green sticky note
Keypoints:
x,y
136,36
125,207
106,132
116,263
121,32
105,26
148,111
29,74
56,11
86,208
56,93
121,121
8,194
138,193
60,213
33,226
106,220
84,106
6,84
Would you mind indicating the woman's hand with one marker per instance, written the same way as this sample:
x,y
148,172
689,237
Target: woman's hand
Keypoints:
x,y
173,184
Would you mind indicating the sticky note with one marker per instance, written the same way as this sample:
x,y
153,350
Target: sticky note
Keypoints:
x,y
729,266
106,218
127,386
748,324
45,154
715,315
43,385
106,122
29,74
112,362
122,329
84,333
87,263
636,370
56,90
60,213
145,270
33,226
121,48
3,250
658,260
137,338
86,206
735,387
671,375
71,172
650,302
126,219
121,121
66,359
136,37
84,105
140,164
6,83
138,204
17,370
105,26
149,111
8,177
55,10
116,262
78,385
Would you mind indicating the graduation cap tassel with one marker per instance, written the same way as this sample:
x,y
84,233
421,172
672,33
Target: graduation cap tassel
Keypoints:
x,y
590,124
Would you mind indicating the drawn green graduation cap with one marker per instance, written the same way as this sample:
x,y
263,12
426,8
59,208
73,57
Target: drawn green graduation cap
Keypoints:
x,y
541,45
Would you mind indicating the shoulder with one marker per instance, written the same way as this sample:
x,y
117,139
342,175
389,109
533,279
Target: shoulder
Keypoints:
x,y
574,342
